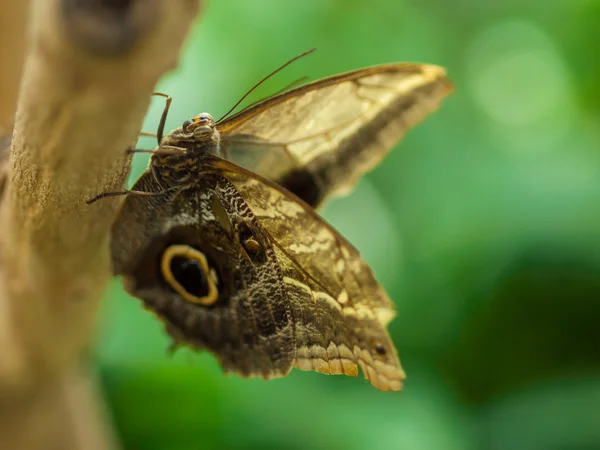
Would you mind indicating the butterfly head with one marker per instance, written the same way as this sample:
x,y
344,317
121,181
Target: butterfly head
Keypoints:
x,y
201,127
199,134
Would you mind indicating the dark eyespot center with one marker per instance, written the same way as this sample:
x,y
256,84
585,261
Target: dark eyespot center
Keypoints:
x,y
190,275
251,244
186,124
304,184
380,349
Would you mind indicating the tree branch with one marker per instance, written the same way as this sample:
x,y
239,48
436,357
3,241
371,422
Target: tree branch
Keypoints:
x,y
89,74
13,22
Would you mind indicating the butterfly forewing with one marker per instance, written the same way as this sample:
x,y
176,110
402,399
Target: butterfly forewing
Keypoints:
x,y
318,139
340,312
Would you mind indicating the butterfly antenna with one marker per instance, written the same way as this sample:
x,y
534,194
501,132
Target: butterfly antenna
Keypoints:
x,y
263,80
292,85
285,89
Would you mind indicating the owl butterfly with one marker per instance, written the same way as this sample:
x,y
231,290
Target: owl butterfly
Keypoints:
x,y
220,239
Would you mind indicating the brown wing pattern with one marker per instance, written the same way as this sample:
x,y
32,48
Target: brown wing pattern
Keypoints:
x,y
317,140
340,312
290,290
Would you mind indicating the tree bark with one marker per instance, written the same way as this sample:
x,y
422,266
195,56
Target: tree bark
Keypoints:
x,y
90,69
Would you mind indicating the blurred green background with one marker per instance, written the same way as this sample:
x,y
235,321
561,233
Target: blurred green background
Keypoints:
x,y
483,226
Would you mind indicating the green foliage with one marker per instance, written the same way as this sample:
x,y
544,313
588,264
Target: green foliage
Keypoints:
x,y
483,225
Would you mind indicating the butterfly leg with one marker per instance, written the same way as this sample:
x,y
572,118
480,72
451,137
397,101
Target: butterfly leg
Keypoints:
x,y
139,150
163,117
125,192
164,150
161,124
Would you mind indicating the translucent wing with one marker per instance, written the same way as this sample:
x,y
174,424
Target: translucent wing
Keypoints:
x,y
318,139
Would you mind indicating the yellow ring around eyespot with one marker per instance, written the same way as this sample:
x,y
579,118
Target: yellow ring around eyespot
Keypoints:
x,y
191,253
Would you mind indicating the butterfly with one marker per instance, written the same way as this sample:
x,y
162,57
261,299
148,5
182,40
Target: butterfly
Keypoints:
x,y
219,237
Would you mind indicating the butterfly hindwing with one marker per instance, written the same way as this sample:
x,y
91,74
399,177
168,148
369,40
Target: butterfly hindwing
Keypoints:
x,y
339,311
291,291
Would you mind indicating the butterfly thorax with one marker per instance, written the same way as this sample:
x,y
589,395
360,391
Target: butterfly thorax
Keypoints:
x,y
180,154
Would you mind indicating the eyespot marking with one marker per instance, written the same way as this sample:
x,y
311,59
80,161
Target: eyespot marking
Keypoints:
x,y
188,273
250,243
380,349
